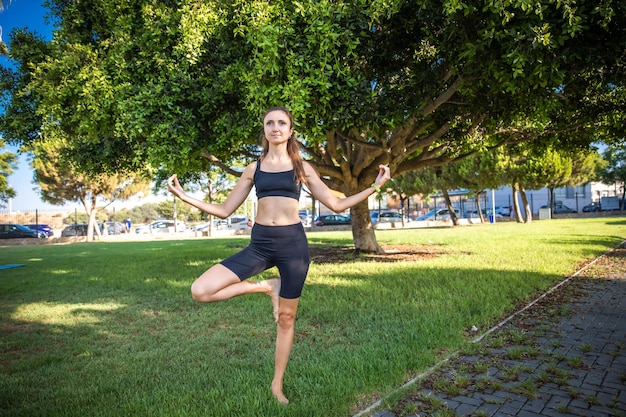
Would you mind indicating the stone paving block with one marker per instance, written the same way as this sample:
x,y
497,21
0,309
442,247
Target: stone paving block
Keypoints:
x,y
525,413
601,411
579,404
383,414
595,378
535,405
551,412
614,385
557,401
509,396
465,409
511,408
467,400
607,396
451,404
488,410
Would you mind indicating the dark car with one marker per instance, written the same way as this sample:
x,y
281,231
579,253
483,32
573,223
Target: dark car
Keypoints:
x,y
561,209
42,228
331,219
75,230
594,206
16,231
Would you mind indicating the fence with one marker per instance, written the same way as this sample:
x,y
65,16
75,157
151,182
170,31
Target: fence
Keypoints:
x,y
57,219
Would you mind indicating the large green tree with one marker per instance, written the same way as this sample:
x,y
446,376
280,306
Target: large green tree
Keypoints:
x,y
403,83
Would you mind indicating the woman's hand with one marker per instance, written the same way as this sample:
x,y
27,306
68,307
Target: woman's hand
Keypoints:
x,y
384,175
173,186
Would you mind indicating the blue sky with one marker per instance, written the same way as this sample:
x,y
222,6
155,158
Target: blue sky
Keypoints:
x,y
19,14
30,14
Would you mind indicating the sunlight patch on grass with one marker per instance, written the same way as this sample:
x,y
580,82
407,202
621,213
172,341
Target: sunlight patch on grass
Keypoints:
x,y
178,284
63,314
337,281
196,263
60,271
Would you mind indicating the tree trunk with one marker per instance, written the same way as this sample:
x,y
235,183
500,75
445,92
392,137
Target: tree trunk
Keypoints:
x,y
453,216
479,209
551,202
516,207
91,211
93,224
363,231
528,212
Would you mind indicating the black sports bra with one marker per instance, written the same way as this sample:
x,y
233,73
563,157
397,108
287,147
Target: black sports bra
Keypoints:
x,y
275,184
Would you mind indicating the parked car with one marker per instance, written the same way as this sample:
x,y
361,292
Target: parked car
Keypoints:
x,y
17,231
201,227
305,217
75,230
560,209
473,214
161,226
42,228
386,217
437,214
331,219
113,228
594,206
239,223
503,211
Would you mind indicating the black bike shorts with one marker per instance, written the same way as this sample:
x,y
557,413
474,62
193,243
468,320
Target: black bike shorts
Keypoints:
x,y
284,247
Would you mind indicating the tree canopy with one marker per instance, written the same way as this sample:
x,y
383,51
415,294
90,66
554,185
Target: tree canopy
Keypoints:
x,y
8,163
178,84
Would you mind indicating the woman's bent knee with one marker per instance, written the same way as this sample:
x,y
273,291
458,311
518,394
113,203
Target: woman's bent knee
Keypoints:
x,y
205,288
201,293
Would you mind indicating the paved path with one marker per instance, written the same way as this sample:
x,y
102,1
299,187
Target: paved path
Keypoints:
x,y
564,356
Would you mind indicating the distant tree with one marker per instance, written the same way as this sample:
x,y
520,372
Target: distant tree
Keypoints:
x,y
60,183
527,167
144,213
215,182
475,173
8,163
615,170
173,209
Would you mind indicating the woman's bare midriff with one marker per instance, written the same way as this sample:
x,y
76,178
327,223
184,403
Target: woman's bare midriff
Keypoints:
x,y
277,211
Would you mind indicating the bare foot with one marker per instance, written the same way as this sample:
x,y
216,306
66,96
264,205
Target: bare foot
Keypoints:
x,y
277,392
274,290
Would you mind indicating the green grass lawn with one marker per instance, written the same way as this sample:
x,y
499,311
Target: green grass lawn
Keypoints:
x,y
109,329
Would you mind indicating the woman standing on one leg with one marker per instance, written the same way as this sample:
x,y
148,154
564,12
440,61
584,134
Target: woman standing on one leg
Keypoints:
x,y
278,237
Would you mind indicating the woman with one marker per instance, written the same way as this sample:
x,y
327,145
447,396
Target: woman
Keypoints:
x,y
278,237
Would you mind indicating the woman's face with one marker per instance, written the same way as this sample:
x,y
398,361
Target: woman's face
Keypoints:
x,y
277,127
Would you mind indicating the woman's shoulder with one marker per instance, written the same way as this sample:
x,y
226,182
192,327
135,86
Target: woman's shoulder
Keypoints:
x,y
309,169
248,171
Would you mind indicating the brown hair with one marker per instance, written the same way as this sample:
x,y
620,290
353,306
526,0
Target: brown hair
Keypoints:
x,y
292,147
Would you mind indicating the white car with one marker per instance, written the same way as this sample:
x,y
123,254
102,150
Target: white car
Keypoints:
x,y
161,226
239,223
437,214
